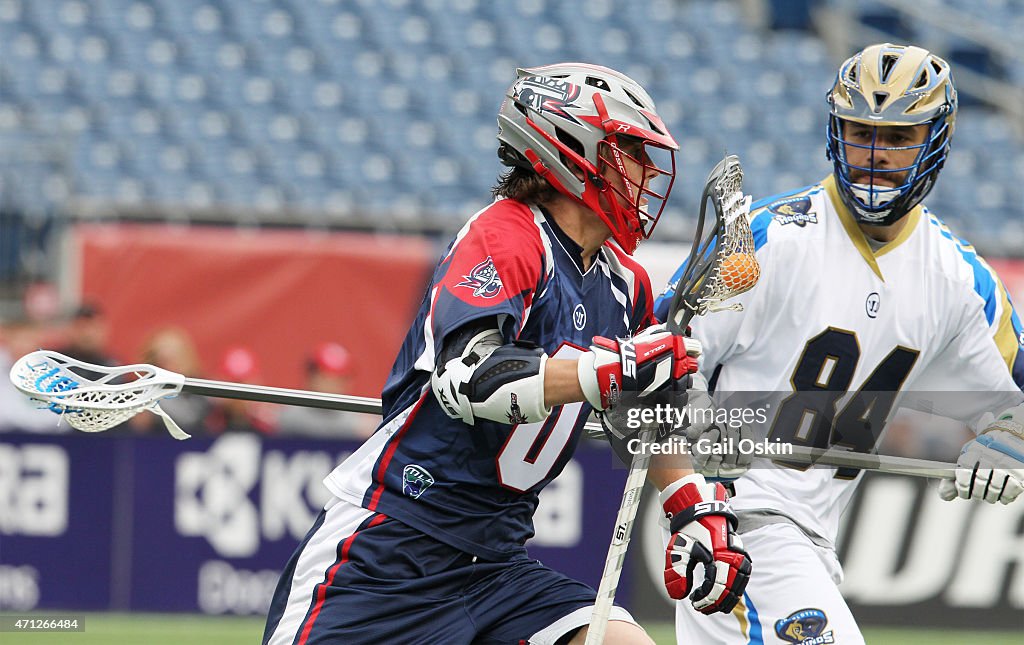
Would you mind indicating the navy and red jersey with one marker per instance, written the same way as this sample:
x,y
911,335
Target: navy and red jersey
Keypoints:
x,y
475,486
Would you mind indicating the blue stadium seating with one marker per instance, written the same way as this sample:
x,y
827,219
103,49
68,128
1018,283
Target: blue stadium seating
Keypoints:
x,y
387,106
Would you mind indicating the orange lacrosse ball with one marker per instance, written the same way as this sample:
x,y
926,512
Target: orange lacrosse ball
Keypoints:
x,y
739,272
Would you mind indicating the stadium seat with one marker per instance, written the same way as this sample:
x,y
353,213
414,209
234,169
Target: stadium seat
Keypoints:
x,y
391,104
888,21
790,14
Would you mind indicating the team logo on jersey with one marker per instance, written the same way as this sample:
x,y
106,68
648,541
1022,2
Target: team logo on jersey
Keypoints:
x,y
795,210
873,304
415,480
550,95
579,317
805,627
483,280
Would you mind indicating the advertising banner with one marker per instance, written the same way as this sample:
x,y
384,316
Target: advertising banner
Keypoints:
x,y
148,524
61,512
277,293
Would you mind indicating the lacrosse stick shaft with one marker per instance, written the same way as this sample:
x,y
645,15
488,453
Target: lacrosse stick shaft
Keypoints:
x,y
284,396
881,463
691,286
368,405
620,540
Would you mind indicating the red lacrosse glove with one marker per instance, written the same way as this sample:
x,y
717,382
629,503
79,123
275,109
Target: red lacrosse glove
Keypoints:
x,y
703,529
652,361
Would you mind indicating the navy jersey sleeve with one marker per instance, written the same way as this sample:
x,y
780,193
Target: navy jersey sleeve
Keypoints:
x,y
492,270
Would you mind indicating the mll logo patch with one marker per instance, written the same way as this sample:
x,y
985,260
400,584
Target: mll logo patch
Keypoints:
x,y
415,480
483,280
804,627
795,210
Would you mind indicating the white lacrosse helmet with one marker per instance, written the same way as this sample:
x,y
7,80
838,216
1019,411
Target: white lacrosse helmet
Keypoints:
x,y
570,119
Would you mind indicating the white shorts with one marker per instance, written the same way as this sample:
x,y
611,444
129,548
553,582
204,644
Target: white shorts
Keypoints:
x,y
791,598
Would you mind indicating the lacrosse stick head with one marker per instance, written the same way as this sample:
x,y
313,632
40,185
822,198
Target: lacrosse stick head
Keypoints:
x,y
94,398
721,264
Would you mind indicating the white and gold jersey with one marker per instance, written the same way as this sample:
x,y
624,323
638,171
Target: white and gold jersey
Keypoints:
x,y
839,316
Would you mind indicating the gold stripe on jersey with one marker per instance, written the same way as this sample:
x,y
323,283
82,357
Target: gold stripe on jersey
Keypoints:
x,y
912,218
856,236
740,612
1005,337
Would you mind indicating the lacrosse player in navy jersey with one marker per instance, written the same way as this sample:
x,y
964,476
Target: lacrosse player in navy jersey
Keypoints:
x,y
865,291
423,541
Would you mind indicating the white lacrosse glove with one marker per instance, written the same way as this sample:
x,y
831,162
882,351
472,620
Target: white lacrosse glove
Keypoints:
x,y
714,449
991,467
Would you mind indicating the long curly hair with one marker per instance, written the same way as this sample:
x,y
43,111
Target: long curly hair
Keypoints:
x,y
524,185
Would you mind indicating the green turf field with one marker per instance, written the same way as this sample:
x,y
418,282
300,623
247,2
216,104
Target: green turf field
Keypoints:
x,y
178,629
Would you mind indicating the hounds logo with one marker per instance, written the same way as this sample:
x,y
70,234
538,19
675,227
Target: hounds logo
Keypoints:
x,y
548,95
415,480
804,627
796,210
483,280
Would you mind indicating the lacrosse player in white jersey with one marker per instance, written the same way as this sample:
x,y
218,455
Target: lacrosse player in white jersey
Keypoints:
x,y
864,291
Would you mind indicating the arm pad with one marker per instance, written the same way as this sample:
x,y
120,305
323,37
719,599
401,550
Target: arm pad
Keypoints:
x,y
478,377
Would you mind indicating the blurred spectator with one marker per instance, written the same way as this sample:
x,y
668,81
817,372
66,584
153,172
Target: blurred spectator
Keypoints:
x,y
172,348
17,411
328,369
239,364
87,336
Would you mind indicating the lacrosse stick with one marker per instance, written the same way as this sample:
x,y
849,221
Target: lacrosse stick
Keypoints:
x,y
94,398
721,265
93,404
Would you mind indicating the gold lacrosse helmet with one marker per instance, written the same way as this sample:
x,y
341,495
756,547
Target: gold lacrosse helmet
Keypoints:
x,y
891,85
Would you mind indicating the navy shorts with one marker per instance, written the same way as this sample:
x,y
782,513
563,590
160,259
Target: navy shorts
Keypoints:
x,y
362,577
